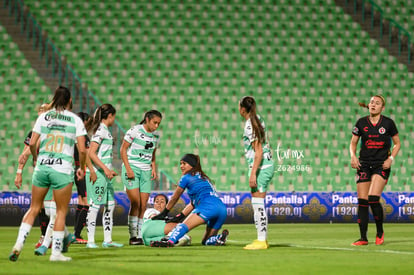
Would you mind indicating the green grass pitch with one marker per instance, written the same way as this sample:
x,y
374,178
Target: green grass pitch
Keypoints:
x,y
294,249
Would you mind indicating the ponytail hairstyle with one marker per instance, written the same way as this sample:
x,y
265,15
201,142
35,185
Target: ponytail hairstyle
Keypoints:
x,y
249,104
100,114
150,115
194,162
364,105
61,98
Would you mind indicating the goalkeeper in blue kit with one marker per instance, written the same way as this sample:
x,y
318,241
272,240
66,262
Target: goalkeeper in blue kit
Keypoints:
x,y
208,208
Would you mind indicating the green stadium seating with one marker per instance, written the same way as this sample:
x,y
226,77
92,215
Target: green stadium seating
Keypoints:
x,y
22,92
308,66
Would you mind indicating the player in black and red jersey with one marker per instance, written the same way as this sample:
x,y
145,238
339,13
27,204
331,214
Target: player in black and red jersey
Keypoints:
x,y
83,206
377,133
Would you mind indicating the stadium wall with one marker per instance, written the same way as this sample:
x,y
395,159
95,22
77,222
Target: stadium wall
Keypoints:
x,y
282,207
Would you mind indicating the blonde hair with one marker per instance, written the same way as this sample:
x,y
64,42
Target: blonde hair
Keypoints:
x,y
43,108
366,105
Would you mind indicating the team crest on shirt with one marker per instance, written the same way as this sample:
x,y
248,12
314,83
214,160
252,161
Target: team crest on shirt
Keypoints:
x,y
381,130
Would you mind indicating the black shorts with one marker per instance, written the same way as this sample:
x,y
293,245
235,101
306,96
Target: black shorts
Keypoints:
x,y
81,186
368,169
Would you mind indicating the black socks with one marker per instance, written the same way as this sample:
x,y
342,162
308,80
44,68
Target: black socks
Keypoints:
x,y
377,212
80,219
363,217
44,221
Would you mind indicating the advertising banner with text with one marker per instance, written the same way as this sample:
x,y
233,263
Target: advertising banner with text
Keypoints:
x,y
282,207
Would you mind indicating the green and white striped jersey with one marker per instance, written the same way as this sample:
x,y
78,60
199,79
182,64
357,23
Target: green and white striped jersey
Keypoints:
x,y
58,132
142,146
248,138
105,140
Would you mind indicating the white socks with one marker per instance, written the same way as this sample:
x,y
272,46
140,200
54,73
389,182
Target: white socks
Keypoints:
x,y
133,226
107,221
260,218
24,231
57,242
91,222
50,209
140,222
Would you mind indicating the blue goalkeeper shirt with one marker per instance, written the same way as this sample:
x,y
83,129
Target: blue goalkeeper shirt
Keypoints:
x,y
197,188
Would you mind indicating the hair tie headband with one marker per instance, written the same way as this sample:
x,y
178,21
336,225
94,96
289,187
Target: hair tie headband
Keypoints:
x,y
190,159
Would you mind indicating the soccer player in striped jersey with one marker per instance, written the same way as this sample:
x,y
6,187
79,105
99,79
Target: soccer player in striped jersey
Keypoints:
x,y
377,133
58,130
139,169
100,174
261,168
43,216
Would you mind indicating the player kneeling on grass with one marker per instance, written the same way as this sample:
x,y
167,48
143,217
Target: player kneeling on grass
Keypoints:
x,y
208,208
156,230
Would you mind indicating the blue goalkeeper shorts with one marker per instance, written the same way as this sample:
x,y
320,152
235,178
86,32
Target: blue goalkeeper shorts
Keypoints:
x,y
213,211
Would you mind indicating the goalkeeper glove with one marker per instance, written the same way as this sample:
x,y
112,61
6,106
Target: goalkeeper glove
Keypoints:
x,y
162,215
177,219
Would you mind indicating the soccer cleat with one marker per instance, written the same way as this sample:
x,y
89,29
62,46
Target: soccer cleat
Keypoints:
x,y
41,251
162,243
111,244
256,245
360,242
40,241
223,237
59,258
91,245
184,241
70,238
80,241
378,240
136,241
14,255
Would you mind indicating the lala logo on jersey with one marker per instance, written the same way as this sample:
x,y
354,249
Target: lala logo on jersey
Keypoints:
x,y
381,130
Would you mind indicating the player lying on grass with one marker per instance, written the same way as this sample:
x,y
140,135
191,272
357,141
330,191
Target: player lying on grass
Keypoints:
x,y
156,230
208,208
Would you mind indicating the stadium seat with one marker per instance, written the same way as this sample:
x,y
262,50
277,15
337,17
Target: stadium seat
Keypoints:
x,y
195,65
